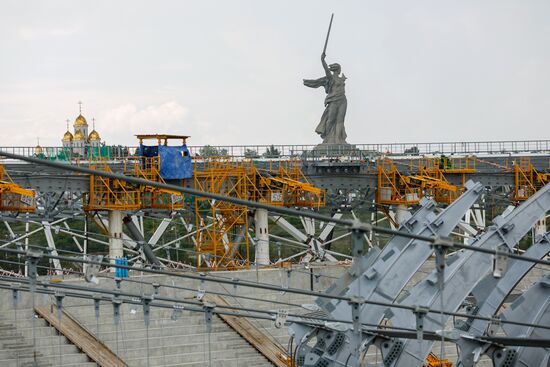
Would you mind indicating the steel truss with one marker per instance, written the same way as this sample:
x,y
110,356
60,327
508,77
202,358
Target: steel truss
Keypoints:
x,y
369,305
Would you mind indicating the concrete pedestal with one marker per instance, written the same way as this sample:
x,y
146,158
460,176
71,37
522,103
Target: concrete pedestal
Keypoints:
x,y
115,236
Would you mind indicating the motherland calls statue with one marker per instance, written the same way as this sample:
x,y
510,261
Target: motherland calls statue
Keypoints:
x,y
331,128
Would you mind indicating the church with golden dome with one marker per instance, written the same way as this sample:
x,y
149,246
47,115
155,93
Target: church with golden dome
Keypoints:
x,y
80,142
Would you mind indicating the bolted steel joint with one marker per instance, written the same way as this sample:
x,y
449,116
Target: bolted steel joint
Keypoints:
x,y
15,294
156,286
355,303
208,307
146,302
116,309
33,257
494,326
500,260
280,320
97,300
235,283
59,303
419,313
177,310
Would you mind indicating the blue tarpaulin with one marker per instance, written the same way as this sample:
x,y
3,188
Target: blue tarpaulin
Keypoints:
x,y
175,162
148,151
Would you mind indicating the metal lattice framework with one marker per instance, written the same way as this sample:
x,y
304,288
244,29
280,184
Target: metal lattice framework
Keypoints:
x,y
223,240
108,194
371,306
386,272
528,180
424,178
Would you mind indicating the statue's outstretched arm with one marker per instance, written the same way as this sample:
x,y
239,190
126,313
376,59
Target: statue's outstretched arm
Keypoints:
x,y
315,83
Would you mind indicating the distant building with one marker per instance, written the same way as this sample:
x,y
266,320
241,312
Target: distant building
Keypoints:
x,y
38,149
80,142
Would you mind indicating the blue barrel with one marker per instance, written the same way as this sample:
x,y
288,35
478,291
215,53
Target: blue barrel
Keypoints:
x,y
120,272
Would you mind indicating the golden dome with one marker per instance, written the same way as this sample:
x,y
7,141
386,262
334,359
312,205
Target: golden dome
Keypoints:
x,y
94,136
67,136
79,136
80,121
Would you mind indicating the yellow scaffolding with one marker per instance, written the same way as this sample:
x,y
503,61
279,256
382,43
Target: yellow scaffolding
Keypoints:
x,y
284,184
431,177
426,178
114,194
13,197
222,228
527,179
433,361
393,187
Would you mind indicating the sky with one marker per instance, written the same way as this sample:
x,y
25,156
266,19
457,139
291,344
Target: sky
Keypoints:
x,y
230,72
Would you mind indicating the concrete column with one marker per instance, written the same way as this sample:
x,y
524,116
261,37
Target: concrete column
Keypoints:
x,y
27,243
85,246
539,229
402,214
115,236
262,237
51,247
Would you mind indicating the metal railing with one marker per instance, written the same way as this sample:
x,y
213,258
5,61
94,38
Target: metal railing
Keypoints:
x,y
368,150
321,152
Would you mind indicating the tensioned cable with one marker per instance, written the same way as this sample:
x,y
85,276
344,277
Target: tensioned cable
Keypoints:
x,y
302,320
15,240
164,246
353,224
69,252
132,296
204,277
297,270
194,271
65,270
168,246
153,284
294,269
385,332
164,285
195,192
226,294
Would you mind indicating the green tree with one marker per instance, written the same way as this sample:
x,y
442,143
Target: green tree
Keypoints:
x,y
272,152
210,151
250,153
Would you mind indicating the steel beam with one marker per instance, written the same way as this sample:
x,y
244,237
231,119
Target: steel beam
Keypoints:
x,y
488,297
384,274
464,272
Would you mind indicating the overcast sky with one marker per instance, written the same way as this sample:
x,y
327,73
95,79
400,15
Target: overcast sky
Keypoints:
x,y
230,72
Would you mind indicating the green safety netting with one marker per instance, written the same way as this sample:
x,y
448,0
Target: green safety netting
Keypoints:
x,y
66,154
